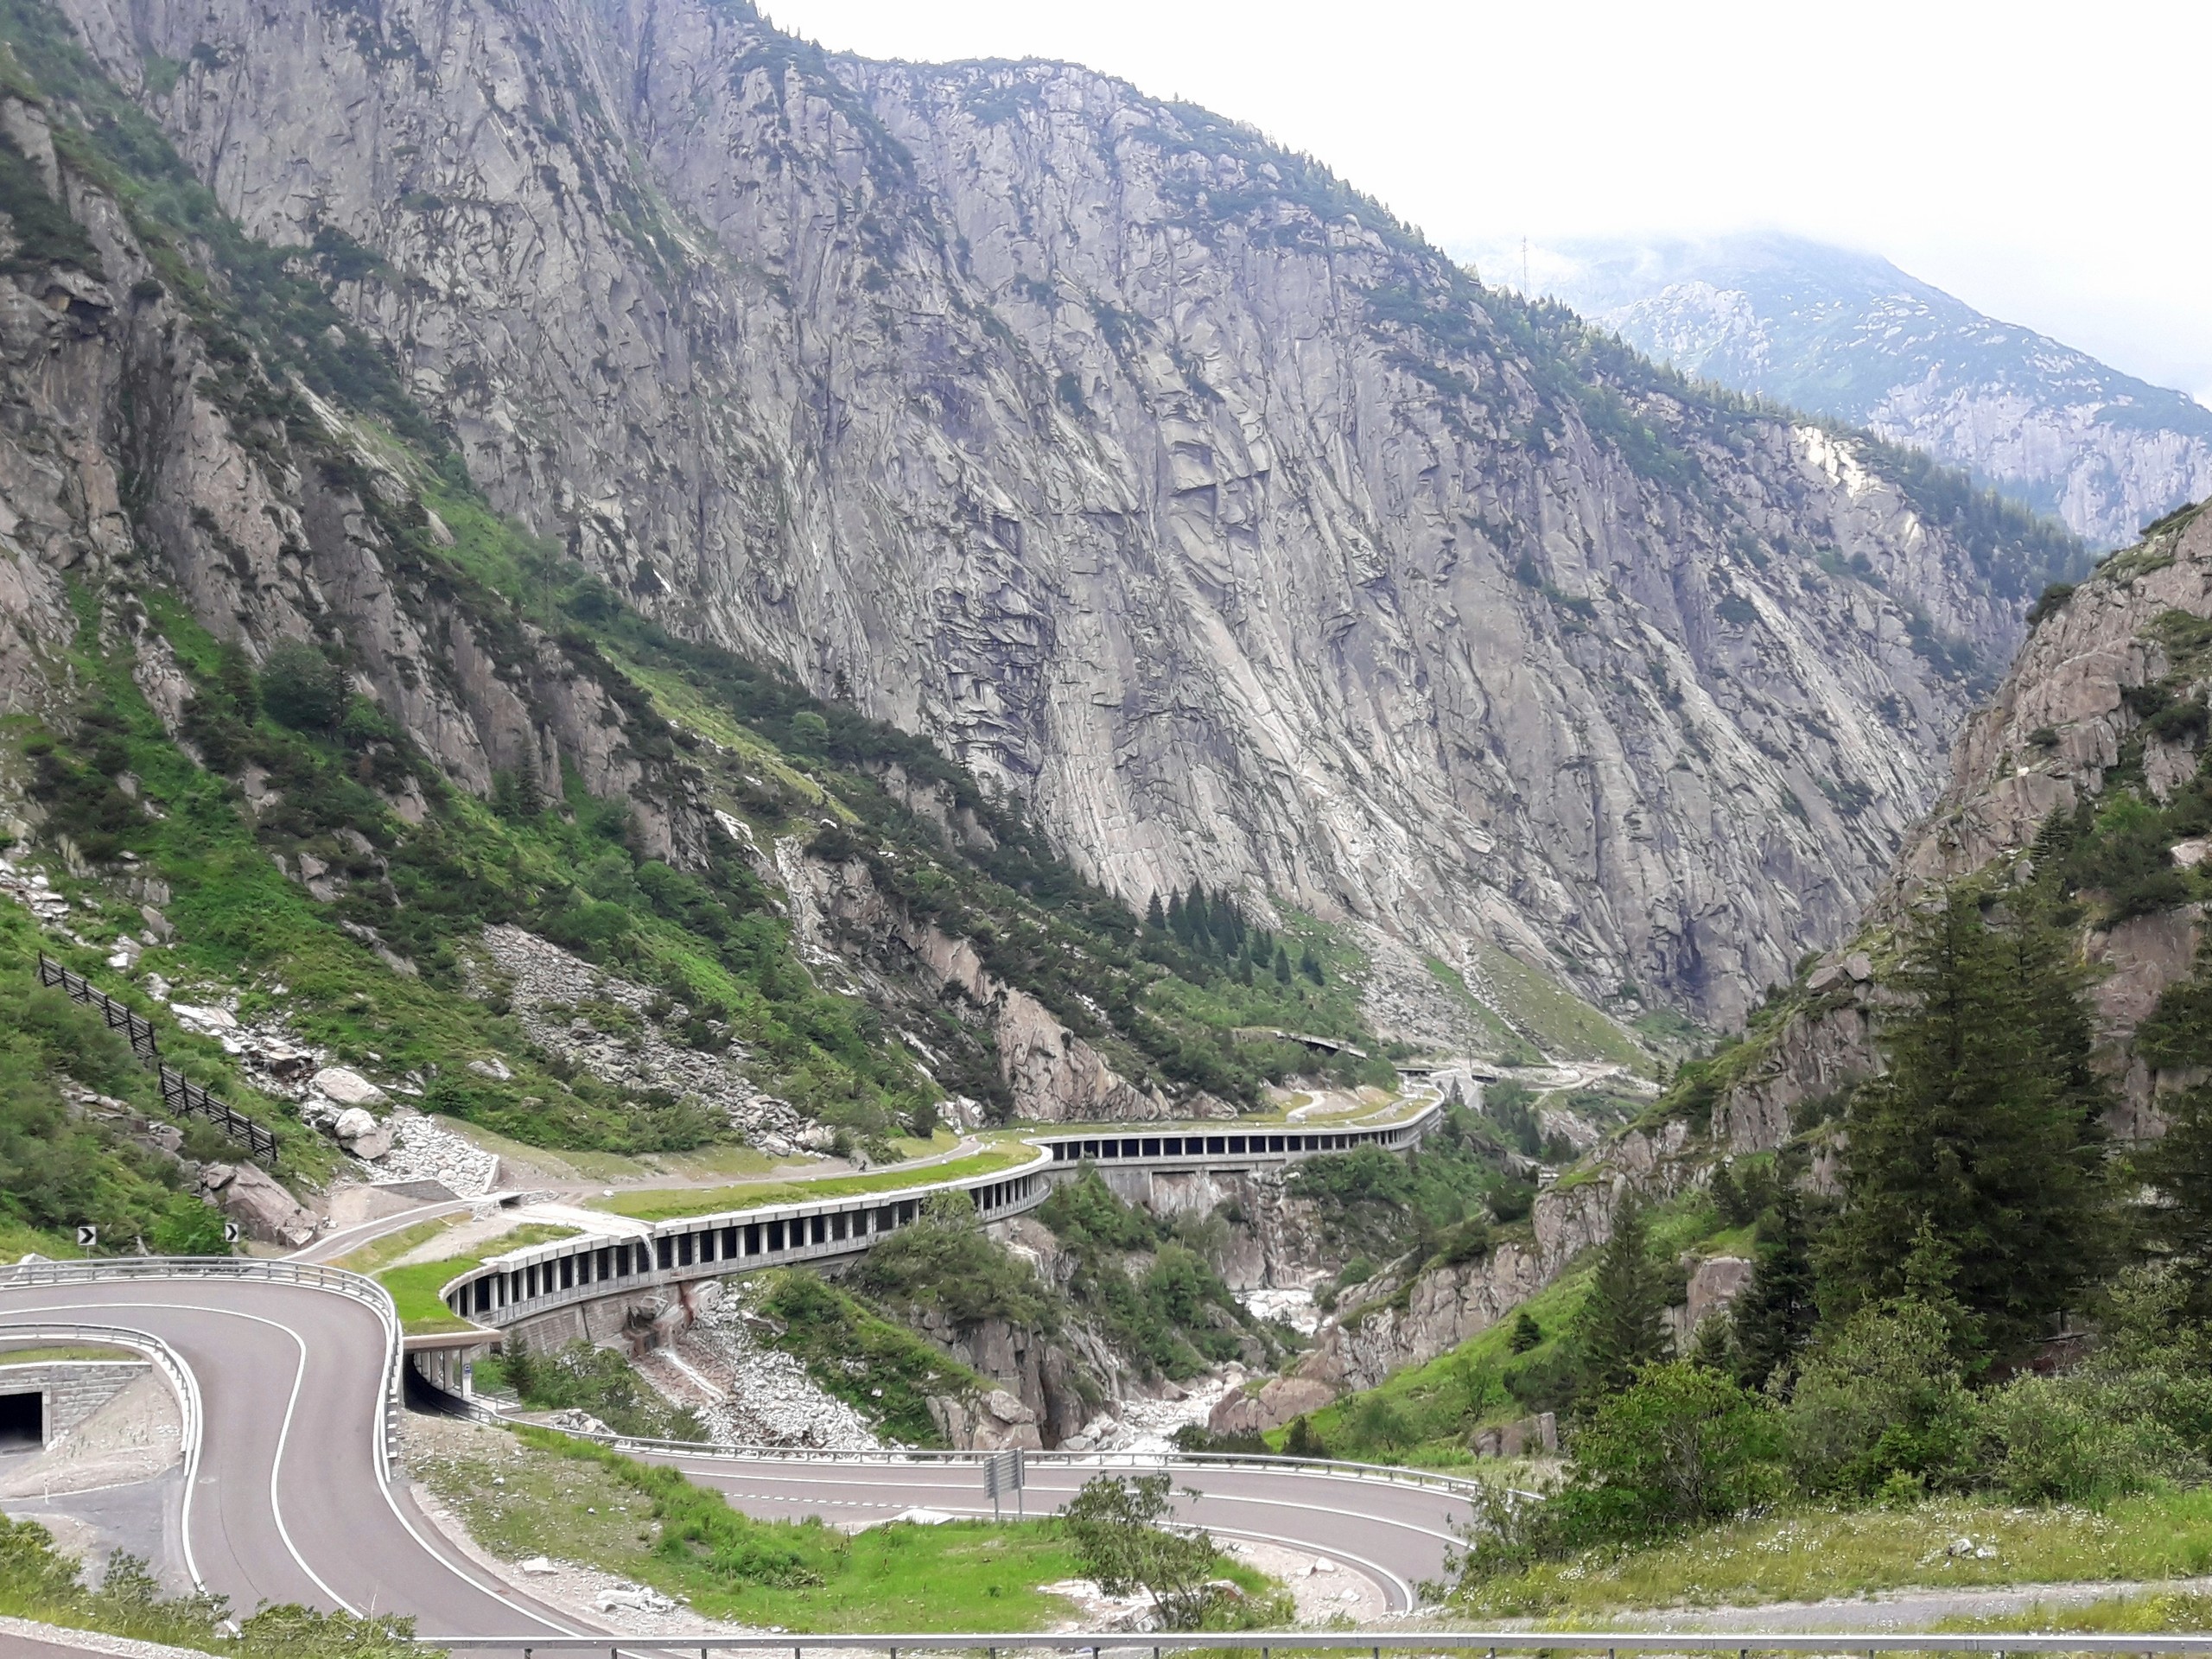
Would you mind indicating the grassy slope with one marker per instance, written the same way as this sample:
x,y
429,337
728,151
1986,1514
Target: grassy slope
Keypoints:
x,y
1811,1554
415,1287
1428,1415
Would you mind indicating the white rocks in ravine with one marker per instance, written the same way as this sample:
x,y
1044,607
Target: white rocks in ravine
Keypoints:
x,y
746,1393
1294,1307
549,990
1148,1423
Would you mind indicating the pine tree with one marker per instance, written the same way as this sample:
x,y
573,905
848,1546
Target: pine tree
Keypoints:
x,y
1177,923
1775,1314
1283,966
234,673
1622,1324
1984,1133
2176,1037
1310,965
1155,919
530,798
1201,924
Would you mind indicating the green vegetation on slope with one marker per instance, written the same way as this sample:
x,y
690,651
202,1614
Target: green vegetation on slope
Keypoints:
x,y
1145,1284
39,1582
1439,1202
1893,1349
65,1163
580,1377
879,1368
1809,1553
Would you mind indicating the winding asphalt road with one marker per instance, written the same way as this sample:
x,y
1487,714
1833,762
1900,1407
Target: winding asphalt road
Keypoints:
x,y
290,1503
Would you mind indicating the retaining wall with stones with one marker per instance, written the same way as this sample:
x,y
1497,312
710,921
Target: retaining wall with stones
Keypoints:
x,y
70,1390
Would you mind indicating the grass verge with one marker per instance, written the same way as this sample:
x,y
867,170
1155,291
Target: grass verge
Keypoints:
x,y
415,1288
1811,1554
667,1204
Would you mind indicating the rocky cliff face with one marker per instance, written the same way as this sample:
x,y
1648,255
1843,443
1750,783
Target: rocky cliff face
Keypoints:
x,y
1167,481
1852,336
1412,1315
2101,712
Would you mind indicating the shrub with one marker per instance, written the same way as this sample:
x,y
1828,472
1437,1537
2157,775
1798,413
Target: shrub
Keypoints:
x,y
946,1262
1883,1396
303,687
2082,1440
1682,1445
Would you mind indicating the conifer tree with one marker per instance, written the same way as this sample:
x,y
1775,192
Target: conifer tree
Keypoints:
x,y
1283,966
529,797
1983,1136
1155,919
1621,1326
2177,1037
1177,923
1310,965
1775,1315
1201,924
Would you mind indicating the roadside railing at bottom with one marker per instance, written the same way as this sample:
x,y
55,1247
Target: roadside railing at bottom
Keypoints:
x,y
1846,1644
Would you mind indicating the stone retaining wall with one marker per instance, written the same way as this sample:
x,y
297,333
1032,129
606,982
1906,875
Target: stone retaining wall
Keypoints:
x,y
71,1389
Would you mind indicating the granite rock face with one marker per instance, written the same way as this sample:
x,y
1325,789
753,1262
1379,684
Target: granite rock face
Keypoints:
x,y
1155,474
2071,712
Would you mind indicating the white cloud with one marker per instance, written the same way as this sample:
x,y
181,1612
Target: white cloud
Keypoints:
x,y
2045,163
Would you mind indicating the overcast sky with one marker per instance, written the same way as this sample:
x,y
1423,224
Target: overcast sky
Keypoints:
x,y
2046,163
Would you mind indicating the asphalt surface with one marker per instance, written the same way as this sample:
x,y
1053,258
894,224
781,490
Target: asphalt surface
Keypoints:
x,y
289,1503
1393,1535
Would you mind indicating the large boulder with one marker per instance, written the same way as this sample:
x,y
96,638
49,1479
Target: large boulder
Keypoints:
x,y
348,1088
251,1196
1274,1403
992,1422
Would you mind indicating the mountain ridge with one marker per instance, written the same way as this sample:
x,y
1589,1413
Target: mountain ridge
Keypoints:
x,y
1850,336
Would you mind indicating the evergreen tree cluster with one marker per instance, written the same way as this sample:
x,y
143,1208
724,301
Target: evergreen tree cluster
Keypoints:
x,y
1892,1340
1209,927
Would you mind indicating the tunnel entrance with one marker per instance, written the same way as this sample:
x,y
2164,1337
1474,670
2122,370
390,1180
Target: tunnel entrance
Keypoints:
x,y
22,1422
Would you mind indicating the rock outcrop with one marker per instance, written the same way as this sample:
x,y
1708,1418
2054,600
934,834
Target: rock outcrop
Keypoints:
x,y
2079,702
1397,1323
265,1212
1173,485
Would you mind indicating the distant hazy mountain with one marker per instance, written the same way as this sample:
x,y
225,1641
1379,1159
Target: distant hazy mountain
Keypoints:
x,y
1851,336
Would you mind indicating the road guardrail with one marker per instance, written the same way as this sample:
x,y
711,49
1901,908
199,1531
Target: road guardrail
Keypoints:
x,y
281,1270
1844,1644
451,1404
